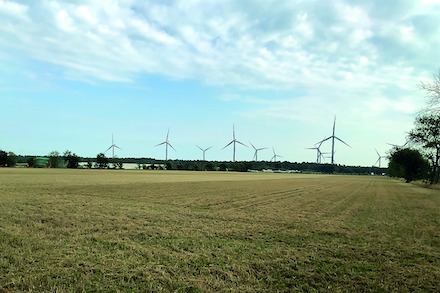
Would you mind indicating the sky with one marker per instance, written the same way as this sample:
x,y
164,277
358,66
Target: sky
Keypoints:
x,y
74,73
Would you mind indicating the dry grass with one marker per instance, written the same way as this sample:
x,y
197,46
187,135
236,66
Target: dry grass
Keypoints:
x,y
93,230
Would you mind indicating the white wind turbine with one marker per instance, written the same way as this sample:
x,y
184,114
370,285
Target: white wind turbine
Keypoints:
x,y
166,143
113,146
333,137
256,151
275,156
319,154
234,141
379,158
204,151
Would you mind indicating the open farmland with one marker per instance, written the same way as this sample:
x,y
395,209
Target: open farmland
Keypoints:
x,y
95,230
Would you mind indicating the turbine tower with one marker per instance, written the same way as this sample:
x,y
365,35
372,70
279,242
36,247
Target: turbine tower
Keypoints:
x,y
333,137
275,156
379,158
234,141
204,151
166,143
113,146
256,151
319,154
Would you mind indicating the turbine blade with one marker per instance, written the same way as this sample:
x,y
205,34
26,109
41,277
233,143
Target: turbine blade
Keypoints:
x,y
227,145
208,148
241,143
325,139
160,143
200,148
253,145
342,141
171,146
108,148
118,147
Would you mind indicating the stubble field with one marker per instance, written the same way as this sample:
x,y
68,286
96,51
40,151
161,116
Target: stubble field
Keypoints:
x,y
141,231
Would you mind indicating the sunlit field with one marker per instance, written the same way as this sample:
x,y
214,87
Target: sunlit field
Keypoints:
x,y
141,231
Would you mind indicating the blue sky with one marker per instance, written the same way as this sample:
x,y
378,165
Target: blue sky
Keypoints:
x,y
74,72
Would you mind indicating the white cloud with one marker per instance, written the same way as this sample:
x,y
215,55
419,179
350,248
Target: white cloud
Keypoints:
x,y
13,9
223,44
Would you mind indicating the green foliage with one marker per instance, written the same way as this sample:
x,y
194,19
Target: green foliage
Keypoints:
x,y
53,159
427,134
7,159
72,159
31,162
408,164
101,161
117,164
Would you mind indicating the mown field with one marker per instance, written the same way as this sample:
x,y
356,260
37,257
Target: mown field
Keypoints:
x,y
142,231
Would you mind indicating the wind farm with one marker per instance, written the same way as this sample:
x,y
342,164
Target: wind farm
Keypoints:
x,y
261,159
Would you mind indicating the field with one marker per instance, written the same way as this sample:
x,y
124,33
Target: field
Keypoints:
x,y
130,231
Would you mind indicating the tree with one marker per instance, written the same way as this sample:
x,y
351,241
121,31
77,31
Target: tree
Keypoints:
x,y
7,159
3,158
72,159
53,159
427,134
408,163
12,159
432,90
31,162
101,161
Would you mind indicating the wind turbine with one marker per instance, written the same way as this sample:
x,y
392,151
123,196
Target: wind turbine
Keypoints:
x,y
256,151
113,146
333,137
319,154
275,156
379,158
234,141
204,150
166,143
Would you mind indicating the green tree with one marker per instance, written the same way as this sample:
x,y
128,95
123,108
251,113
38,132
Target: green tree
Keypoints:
x,y
408,163
31,162
101,161
3,158
72,159
427,134
53,159
7,159
12,159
